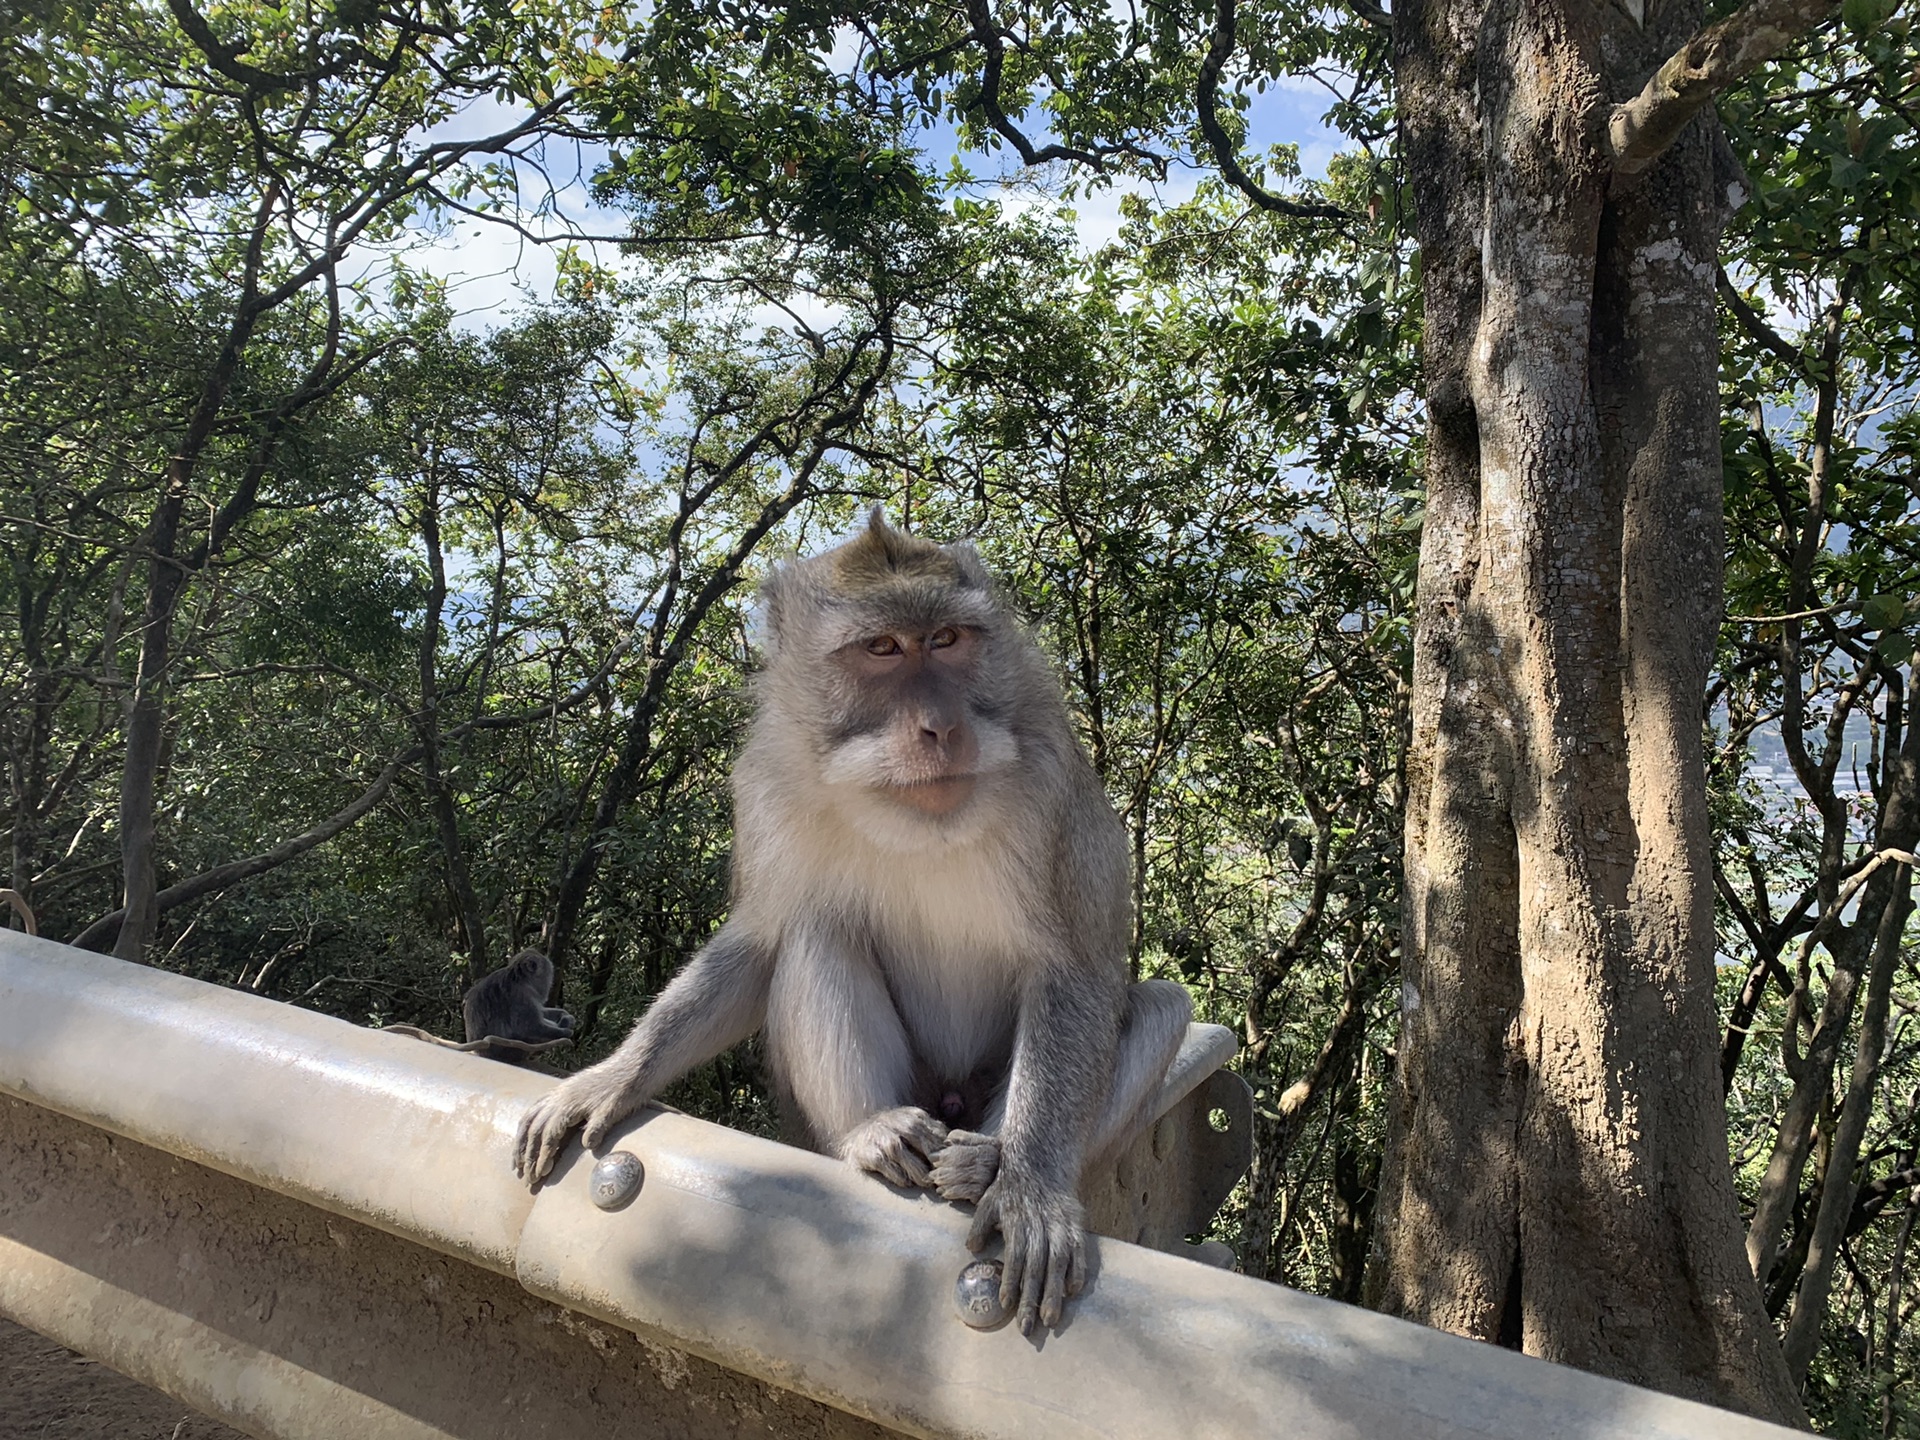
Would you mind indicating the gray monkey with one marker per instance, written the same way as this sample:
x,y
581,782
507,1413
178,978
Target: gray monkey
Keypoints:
x,y
929,919
511,1004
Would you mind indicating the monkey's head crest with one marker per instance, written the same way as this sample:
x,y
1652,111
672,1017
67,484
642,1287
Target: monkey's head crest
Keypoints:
x,y
880,569
881,555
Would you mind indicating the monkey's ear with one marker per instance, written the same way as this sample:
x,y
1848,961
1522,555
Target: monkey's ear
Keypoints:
x,y
771,606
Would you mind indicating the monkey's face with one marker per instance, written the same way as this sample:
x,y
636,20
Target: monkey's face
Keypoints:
x,y
905,724
890,692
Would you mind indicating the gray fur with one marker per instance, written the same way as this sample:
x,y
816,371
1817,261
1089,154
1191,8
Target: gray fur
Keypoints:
x,y
930,914
511,1004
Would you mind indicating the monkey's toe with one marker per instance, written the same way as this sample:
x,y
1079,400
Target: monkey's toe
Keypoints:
x,y
966,1165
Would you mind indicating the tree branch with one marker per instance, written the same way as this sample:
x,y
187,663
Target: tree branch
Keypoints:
x,y
1207,94
225,58
1761,333
1640,130
1875,1194
987,32
1372,14
234,871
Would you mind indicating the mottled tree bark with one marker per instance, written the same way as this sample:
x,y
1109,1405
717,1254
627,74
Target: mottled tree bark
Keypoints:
x,y
1557,1175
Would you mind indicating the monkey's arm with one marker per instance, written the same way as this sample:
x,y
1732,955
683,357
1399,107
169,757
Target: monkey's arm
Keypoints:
x,y
716,1001
1062,1063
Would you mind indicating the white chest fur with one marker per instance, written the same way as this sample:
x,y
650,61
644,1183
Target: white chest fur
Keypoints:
x,y
953,939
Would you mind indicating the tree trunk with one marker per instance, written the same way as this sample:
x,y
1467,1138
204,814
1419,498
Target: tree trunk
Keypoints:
x,y
1842,1185
166,579
147,710
1557,1175
466,903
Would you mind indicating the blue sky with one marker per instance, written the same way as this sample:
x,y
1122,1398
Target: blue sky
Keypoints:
x,y
490,269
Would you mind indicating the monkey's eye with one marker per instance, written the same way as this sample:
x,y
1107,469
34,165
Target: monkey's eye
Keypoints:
x,y
883,645
941,639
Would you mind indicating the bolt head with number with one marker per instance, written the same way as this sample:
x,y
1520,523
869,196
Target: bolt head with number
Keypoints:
x,y
976,1295
616,1180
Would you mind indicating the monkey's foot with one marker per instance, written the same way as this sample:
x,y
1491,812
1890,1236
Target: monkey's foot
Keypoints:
x,y
966,1166
897,1145
1044,1256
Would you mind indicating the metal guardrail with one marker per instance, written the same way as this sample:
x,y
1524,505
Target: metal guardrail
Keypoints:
x,y
372,1269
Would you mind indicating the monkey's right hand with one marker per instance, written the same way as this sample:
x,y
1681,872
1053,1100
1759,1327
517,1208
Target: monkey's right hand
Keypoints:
x,y
898,1145
594,1100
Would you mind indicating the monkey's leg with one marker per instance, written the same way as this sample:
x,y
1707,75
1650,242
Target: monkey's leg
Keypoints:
x,y
715,1002
1158,1013
1151,1030
839,1049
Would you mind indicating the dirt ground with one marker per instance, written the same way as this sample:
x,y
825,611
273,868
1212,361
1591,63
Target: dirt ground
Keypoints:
x,y
50,1393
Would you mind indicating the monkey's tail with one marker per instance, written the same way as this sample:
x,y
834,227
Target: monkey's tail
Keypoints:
x,y
22,909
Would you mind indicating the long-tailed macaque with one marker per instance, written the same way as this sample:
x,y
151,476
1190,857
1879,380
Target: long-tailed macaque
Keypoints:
x,y
510,1004
929,919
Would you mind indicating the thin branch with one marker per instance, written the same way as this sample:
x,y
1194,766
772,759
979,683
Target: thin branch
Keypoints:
x,y
1762,334
987,32
1225,155
234,871
1640,130
225,58
1833,609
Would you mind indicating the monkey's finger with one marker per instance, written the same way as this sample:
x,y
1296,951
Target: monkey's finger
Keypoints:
x,y
1012,1293
1013,1258
928,1136
1077,1267
986,1219
553,1136
533,1130
1033,1279
1053,1300
914,1170
599,1121
520,1145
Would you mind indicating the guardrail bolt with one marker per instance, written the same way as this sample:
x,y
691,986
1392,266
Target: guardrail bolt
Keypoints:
x,y
616,1180
976,1295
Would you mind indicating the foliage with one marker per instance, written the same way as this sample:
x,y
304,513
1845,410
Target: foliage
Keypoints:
x,y
470,603
1815,696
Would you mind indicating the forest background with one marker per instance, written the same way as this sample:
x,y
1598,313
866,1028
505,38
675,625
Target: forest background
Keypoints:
x,y
353,641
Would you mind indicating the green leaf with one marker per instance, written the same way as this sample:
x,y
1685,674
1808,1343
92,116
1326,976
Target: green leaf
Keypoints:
x,y
1895,647
1861,16
1883,612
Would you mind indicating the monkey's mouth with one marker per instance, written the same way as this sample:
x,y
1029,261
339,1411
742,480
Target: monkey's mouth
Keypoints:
x,y
940,796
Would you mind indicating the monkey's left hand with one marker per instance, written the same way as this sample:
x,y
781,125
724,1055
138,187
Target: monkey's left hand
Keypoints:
x,y
1044,1259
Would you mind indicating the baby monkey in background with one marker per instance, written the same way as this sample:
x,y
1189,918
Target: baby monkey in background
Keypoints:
x,y
511,1005
929,918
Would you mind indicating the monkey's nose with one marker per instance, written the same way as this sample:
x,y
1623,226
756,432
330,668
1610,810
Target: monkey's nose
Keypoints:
x,y
937,733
